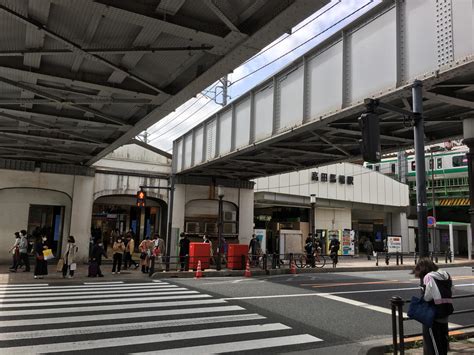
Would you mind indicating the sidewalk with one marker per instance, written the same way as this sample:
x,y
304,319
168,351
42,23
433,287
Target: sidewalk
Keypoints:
x,y
345,265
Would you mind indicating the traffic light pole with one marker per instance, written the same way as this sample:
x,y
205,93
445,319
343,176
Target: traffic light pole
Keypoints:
x,y
419,135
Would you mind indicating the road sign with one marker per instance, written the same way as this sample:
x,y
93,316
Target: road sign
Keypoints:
x,y
431,221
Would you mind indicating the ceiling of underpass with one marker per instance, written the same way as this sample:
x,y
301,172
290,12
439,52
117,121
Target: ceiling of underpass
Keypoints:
x,y
79,78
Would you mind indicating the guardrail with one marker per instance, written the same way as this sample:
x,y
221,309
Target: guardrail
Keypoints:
x,y
398,333
400,257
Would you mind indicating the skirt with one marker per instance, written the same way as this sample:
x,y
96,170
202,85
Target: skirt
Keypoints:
x,y
41,267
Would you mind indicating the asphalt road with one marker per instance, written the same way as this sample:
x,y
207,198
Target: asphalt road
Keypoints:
x,y
337,313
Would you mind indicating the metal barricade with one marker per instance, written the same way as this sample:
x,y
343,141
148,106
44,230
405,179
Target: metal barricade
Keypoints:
x,y
398,332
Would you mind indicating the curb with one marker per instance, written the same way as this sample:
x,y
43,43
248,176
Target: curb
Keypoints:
x,y
273,272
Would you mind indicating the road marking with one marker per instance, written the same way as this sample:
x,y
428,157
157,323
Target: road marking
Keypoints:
x,y
103,283
110,307
80,287
332,293
128,315
47,333
181,291
143,339
238,346
355,283
92,291
21,285
102,301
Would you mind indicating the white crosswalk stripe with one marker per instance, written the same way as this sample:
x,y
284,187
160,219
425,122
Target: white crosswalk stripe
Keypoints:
x,y
150,317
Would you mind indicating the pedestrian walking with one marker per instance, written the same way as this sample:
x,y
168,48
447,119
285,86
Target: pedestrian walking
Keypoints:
x,y
96,259
128,255
118,250
69,258
15,251
41,267
183,251
334,246
253,247
157,254
437,290
369,248
146,250
23,252
309,249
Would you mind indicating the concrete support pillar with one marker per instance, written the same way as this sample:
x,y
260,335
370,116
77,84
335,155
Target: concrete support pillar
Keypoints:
x,y
81,214
246,209
468,133
177,225
451,240
469,243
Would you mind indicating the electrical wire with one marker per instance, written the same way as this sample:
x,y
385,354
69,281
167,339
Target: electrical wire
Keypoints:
x,y
289,35
262,67
301,44
180,123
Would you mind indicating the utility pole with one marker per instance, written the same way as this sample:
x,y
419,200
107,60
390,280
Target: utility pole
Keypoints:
x,y
419,135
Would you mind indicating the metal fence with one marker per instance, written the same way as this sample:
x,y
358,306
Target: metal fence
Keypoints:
x,y
399,258
398,319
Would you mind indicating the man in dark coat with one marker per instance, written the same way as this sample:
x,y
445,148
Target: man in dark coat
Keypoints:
x,y
96,257
183,250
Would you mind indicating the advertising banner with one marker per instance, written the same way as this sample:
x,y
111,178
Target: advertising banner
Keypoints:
x,y
261,235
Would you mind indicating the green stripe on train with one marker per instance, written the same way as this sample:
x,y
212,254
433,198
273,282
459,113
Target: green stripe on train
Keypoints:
x,y
443,172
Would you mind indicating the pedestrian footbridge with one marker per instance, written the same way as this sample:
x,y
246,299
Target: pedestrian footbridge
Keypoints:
x,y
306,114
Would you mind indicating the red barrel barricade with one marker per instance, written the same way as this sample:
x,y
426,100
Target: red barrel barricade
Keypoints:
x,y
199,251
234,256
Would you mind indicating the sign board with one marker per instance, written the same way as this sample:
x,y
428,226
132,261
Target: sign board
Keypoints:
x,y
394,244
431,221
261,235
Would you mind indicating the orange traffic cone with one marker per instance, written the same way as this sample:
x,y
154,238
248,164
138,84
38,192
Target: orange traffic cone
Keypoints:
x,y
293,267
198,270
247,270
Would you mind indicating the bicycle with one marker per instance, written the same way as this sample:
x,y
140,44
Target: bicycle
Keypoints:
x,y
304,262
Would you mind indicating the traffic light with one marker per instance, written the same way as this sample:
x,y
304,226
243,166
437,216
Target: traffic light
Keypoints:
x,y
141,198
370,142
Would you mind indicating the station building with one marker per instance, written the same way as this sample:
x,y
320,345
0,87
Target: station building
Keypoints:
x,y
60,200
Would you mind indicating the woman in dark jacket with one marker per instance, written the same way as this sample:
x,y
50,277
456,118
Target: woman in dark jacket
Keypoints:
x,y
41,267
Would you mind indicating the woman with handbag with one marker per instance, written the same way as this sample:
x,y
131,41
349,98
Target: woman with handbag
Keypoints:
x,y
69,257
146,251
41,267
437,291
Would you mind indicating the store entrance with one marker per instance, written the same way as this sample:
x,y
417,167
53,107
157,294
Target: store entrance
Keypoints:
x,y
47,220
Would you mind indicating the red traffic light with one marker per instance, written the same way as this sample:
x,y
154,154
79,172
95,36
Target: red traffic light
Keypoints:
x,y
141,198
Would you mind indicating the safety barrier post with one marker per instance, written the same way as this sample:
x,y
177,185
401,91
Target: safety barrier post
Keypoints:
x,y
387,258
264,261
436,258
243,262
376,259
401,258
398,342
167,263
415,258
397,256
273,261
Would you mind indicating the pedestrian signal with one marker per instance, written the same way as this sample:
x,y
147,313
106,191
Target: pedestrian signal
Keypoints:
x,y
141,197
370,142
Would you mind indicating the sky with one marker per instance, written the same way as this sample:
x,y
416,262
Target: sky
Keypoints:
x,y
264,64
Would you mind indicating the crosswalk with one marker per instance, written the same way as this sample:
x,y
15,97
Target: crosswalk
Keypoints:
x,y
140,318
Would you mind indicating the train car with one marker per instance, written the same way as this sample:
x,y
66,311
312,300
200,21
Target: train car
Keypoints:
x,y
442,164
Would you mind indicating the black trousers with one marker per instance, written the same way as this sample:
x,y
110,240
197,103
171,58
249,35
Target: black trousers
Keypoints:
x,y
184,264
127,260
23,259
65,269
117,262
435,337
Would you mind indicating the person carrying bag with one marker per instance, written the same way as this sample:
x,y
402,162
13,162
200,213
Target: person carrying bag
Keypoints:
x,y
69,258
434,307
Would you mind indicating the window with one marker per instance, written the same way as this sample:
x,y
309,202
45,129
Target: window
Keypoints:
x,y
431,164
459,160
392,168
377,167
439,163
413,167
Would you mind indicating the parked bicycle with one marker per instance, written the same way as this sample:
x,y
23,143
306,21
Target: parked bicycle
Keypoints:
x,y
305,262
